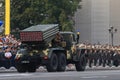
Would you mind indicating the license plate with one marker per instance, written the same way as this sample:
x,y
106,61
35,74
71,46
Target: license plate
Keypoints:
x,y
25,61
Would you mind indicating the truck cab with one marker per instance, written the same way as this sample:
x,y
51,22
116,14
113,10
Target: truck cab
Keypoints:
x,y
75,55
69,38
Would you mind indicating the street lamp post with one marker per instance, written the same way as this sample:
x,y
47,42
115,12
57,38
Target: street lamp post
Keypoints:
x,y
7,17
112,30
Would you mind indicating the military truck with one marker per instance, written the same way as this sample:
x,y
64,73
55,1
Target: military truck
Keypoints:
x,y
37,50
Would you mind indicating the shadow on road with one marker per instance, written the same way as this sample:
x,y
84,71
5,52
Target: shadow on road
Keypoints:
x,y
42,69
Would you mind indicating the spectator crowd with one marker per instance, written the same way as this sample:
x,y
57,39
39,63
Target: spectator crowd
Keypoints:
x,y
8,49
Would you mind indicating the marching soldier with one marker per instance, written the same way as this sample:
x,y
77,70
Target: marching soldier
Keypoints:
x,y
100,54
109,57
90,56
104,57
116,58
95,56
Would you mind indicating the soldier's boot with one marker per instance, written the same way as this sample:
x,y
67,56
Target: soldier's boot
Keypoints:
x,y
104,63
95,62
109,63
90,63
100,62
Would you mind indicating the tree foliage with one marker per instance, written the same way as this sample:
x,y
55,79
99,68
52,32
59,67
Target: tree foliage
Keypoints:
x,y
25,13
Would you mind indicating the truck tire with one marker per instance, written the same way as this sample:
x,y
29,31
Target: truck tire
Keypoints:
x,y
81,64
21,68
61,62
31,68
7,65
52,63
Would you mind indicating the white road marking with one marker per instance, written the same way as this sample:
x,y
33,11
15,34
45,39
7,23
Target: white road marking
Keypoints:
x,y
90,77
11,75
14,76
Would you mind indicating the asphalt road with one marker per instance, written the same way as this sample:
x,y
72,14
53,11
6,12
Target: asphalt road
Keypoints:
x,y
89,74
70,75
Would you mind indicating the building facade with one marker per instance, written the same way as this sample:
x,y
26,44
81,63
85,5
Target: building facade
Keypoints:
x,y
94,20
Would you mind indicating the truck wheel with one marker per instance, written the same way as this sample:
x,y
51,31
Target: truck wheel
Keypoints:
x,y
61,62
21,68
52,63
32,68
80,65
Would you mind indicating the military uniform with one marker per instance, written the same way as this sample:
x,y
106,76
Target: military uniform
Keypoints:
x,y
95,56
100,54
116,58
90,57
109,57
57,41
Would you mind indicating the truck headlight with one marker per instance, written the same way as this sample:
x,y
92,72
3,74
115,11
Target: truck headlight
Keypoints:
x,y
18,55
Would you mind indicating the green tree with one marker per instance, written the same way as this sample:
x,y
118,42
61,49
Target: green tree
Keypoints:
x,y
25,13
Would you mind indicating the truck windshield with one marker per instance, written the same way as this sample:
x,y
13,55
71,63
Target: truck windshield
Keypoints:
x,y
67,37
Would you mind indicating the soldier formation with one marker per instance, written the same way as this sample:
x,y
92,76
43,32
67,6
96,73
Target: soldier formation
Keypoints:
x,y
101,55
